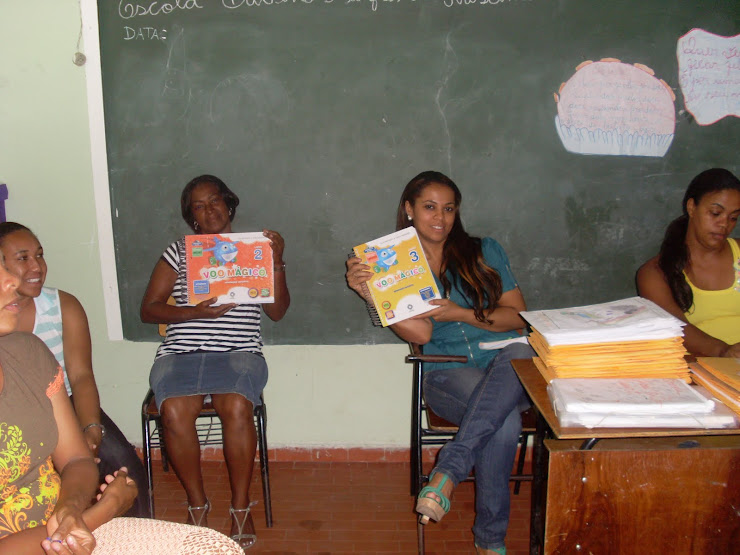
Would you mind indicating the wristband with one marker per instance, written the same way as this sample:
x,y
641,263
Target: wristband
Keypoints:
x,y
279,267
93,424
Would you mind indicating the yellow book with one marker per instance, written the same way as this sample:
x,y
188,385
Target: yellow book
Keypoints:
x,y
402,283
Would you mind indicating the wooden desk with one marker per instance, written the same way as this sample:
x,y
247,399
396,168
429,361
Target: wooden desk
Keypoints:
x,y
630,490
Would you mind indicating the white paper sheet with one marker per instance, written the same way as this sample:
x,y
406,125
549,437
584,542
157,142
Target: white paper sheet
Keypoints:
x,y
631,319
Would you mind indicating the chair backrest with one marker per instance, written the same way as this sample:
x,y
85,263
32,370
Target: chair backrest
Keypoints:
x,y
434,421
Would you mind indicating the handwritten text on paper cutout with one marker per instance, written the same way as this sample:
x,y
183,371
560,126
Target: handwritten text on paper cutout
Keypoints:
x,y
609,107
709,75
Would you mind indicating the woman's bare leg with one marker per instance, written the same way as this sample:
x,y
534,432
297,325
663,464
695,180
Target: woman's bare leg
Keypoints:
x,y
183,449
240,444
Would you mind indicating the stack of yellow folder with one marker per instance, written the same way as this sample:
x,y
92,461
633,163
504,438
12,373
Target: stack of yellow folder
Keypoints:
x,y
657,358
721,376
627,338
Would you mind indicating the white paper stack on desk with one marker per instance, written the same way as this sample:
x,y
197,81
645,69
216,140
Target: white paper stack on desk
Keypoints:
x,y
635,403
627,338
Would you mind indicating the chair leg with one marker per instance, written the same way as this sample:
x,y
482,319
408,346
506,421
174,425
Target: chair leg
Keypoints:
x,y
416,465
162,447
261,414
417,454
148,461
420,537
523,440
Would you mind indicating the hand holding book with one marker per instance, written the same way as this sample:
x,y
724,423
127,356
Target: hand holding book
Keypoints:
x,y
208,310
357,276
392,275
230,268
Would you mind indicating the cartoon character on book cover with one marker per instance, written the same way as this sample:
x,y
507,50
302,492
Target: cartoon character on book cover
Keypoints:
x,y
402,283
234,267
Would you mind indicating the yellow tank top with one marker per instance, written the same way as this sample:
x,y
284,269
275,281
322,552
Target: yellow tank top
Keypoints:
x,y
717,313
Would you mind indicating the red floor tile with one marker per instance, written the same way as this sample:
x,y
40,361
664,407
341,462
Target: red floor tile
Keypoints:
x,y
341,507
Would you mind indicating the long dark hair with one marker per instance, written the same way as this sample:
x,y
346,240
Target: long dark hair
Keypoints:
x,y
674,256
230,198
462,254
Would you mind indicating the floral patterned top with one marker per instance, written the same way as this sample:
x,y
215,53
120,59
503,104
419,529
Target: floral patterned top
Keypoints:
x,y
29,485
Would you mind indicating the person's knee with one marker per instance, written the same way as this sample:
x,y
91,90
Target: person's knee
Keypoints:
x,y
511,428
233,409
179,413
517,351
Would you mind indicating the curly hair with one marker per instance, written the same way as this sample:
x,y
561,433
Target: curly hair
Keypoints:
x,y
230,198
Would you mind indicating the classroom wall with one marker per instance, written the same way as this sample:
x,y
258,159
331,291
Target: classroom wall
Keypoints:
x,y
317,395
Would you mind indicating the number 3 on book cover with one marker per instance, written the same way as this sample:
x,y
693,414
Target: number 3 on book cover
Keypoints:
x,y
234,267
402,282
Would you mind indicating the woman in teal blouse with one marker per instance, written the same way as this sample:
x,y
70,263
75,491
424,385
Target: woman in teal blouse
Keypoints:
x,y
484,397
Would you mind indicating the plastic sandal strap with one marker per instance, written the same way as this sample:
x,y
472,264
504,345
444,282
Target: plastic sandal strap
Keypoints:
x,y
443,502
240,535
205,509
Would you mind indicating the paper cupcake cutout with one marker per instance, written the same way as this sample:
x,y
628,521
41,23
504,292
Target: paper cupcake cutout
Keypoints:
x,y
709,75
609,107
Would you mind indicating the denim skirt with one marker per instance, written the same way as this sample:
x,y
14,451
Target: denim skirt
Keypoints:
x,y
202,373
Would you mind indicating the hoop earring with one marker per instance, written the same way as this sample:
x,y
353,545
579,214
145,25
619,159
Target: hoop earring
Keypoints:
x,y
230,211
195,226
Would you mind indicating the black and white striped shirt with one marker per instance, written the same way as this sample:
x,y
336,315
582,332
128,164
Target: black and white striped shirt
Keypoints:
x,y
237,330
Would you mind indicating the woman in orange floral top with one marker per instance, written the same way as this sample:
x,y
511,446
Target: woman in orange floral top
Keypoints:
x,y
47,473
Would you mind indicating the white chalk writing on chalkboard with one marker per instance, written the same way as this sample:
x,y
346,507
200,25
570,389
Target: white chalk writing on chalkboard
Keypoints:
x,y
130,9
709,75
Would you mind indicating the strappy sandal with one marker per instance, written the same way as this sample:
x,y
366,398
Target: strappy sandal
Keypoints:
x,y
428,507
204,510
245,541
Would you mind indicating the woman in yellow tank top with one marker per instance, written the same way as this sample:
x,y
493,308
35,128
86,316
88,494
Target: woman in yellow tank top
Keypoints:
x,y
696,274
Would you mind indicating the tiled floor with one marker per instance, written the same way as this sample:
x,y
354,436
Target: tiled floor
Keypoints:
x,y
332,507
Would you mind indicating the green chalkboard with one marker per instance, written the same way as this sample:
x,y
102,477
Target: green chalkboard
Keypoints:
x,y
318,112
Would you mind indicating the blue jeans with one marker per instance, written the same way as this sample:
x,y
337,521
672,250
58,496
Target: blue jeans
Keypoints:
x,y
487,406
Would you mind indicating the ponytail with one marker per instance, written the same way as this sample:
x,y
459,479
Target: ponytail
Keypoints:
x,y
673,258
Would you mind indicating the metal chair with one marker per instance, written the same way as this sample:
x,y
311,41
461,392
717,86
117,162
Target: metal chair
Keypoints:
x,y
208,427
428,428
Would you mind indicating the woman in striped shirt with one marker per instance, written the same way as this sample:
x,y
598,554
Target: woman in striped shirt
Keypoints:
x,y
210,350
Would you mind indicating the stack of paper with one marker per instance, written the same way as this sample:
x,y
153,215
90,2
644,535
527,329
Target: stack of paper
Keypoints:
x,y
628,403
629,338
721,376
